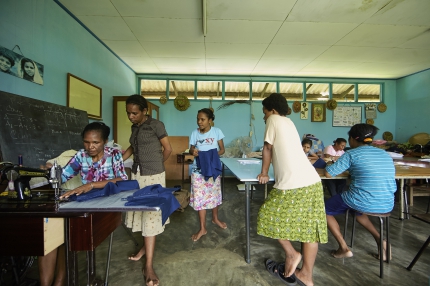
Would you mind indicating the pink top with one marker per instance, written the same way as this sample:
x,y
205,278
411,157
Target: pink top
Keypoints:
x,y
330,151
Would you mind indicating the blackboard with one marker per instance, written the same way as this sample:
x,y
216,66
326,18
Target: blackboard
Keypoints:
x,y
37,130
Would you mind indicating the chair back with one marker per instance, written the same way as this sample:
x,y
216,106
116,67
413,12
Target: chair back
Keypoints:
x,y
317,144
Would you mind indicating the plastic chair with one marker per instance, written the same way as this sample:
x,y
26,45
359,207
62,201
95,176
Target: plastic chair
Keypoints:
x,y
382,217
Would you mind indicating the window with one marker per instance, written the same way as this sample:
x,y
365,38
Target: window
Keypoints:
x,y
344,92
261,90
209,90
178,87
317,92
236,90
291,90
152,89
369,93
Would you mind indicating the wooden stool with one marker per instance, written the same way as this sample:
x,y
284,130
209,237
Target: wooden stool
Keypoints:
x,y
418,191
381,217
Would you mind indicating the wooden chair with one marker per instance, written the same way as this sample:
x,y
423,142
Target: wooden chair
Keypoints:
x,y
382,217
418,191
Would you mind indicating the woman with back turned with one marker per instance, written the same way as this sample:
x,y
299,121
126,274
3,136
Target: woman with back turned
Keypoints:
x,y
294,209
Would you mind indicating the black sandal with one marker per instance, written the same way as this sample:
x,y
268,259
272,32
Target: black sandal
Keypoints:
x,y
291,281
272,267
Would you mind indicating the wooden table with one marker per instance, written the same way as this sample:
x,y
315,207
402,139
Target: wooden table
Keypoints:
x,y
84,228
181,158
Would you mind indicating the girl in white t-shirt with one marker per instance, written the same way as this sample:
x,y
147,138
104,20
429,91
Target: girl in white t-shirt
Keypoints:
x,y
207,142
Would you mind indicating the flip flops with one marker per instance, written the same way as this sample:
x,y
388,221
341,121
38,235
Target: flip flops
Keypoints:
x,y
299,282
277,270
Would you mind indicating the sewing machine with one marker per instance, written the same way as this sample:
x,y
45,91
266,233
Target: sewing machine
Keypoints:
x,y
19,180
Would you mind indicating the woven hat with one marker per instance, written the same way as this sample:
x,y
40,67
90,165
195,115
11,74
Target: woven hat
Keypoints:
x,y
163,99
387,136
296,106
182,103
331,104
370,121
382,107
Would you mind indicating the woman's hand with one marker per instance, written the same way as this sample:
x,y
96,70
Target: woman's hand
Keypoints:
x,y
79,190
263,178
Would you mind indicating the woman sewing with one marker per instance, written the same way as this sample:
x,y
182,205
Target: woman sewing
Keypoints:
x,y
97,165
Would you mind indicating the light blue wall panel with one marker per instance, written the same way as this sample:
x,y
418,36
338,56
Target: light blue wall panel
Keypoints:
x,y
48,35
413,105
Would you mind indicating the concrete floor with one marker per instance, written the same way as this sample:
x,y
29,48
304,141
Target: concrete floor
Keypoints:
x,y
218,257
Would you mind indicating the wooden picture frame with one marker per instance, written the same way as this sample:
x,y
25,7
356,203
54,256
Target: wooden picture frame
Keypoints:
x,y
84,96
318,112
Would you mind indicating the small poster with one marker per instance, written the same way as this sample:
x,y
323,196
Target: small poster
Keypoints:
x,y
346,116
304,110
370,110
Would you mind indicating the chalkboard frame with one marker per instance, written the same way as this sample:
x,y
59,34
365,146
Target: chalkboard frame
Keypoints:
x,y
85,96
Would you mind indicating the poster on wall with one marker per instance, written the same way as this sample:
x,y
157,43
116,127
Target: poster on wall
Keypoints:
x,y
346,116
304,110
370,110
20,66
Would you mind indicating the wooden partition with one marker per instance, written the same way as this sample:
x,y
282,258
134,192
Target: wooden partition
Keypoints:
x,y
173,167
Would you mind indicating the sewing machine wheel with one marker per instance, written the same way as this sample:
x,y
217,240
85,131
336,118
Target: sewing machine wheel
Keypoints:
x,y
14,268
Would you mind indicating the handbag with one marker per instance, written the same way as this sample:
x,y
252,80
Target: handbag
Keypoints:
x,y
183,197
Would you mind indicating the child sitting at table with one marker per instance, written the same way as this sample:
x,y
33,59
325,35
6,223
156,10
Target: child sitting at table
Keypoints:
x,y
206,145
306,145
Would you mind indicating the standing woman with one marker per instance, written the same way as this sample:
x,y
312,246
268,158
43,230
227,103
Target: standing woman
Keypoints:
x,y
294,209
97,165
206,144
335,186
150,147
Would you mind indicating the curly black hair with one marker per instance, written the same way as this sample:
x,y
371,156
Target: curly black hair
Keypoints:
x,y
137,100
209,113
339,140
363,132
99,127
276,101
307,141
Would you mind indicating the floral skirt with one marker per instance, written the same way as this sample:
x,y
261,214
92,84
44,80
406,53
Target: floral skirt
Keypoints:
x,y
295,215
205,194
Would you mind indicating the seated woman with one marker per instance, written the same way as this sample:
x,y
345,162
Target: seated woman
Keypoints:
x,y
97,165
372,185
306,145
335,186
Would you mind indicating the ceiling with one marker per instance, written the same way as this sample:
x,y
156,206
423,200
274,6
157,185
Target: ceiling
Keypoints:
x,y
301,38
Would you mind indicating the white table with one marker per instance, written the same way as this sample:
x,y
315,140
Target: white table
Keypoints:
x,y
248,175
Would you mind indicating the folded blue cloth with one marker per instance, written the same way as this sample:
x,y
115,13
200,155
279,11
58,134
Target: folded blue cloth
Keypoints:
x,y
155,196
320,163
209,164
109,189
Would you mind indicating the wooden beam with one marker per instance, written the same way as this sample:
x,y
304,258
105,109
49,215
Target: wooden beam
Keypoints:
x,y
264,89
309,86
346,91
174,88
217,90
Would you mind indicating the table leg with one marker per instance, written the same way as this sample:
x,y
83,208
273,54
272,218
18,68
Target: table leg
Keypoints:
x,y
247,222
72,277
108,260
403,201
222,182
183,165
91,266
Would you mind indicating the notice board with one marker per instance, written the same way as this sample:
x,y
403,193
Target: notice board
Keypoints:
x,y
37,130
346,115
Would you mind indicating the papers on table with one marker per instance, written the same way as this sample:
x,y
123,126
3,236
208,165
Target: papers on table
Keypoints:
x,y
395,155
249,162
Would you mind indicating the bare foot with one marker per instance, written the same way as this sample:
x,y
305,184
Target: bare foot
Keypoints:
x,y
151,278
341,253
304,278
136,257
384,252
291,263
219,223
199,234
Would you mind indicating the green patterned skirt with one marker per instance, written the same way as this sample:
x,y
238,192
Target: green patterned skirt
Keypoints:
x,y
295,215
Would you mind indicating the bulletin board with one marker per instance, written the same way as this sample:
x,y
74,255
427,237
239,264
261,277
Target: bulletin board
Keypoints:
x,y
346,115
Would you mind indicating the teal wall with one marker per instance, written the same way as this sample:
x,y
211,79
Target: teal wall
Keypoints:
x,y
50,36
413,105
234,121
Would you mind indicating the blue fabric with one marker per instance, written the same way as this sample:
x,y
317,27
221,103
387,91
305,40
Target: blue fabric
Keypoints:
x,y
155,196
209,164
109,189
372,179
320,163
335,206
